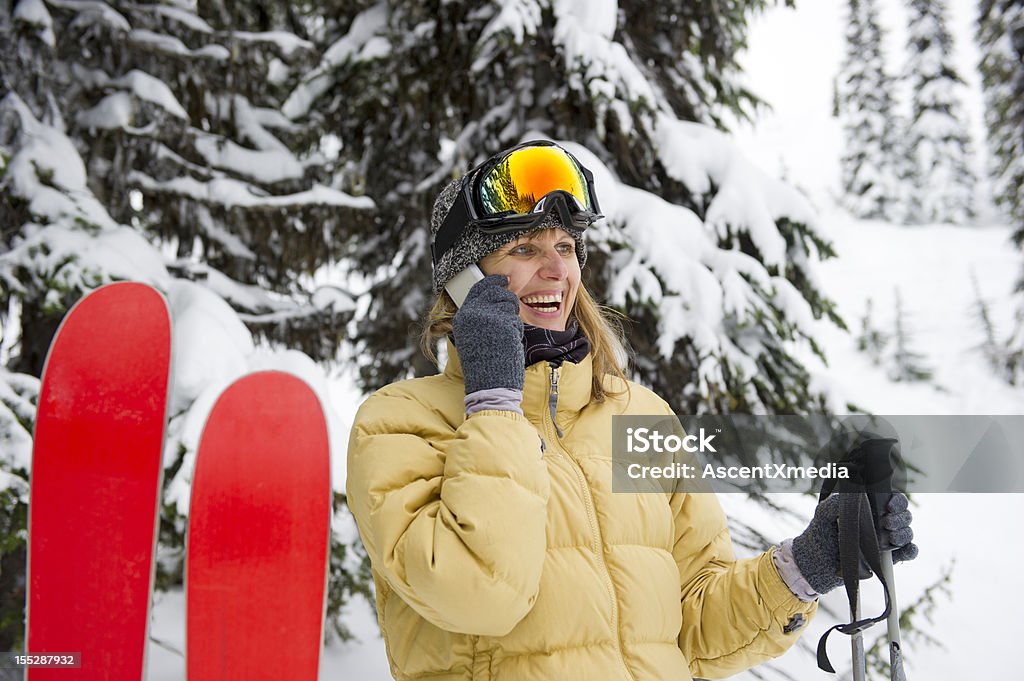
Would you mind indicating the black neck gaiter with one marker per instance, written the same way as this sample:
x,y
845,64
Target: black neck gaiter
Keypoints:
x,y
555,346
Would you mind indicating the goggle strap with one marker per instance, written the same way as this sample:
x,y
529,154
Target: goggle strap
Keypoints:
x,y
452,227
561,204
595,207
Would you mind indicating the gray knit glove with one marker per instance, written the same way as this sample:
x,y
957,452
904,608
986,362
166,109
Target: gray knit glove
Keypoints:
x,y
816,551
488,334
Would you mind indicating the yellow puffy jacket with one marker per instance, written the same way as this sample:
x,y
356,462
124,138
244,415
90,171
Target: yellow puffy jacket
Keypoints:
x,y
493,559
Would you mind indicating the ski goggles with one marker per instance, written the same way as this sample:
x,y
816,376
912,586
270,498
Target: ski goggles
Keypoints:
x,y
516,190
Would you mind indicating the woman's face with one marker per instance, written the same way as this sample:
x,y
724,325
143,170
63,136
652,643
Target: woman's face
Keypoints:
x,y
543,271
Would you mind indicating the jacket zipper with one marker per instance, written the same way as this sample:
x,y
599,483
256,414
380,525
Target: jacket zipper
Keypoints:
x,y
588,501
553,398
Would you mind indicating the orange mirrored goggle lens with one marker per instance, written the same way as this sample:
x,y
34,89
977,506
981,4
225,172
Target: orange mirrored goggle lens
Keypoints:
x,y
525,176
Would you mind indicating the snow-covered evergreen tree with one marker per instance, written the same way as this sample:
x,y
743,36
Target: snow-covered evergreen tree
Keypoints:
x,y
710,258
873,168
991,346
177,121
871,340
1001,38
907,363
145,142
937,140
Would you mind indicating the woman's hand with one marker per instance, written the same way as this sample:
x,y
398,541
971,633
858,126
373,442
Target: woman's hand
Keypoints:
x,y
488,334
816,551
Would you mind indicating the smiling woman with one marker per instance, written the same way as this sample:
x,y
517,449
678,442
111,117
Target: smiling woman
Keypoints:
x,y
484,495
540,251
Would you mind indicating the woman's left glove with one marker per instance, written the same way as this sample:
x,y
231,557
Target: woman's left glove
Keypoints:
x,y
816,550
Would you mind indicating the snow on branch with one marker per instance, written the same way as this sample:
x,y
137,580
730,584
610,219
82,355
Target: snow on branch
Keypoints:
x,y
18,395
362,42
518,18
69,258
184,17
745,198
120,109
263,166
168,45
34,13
585,31
94,12
287,43
73,244
731,304
45,169
150,89
230,193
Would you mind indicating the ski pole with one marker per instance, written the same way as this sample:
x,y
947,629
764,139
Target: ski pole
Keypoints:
x,y
887,462
857,646
893,622
874,462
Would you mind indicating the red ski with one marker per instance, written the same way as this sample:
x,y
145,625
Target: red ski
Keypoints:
x,y
259,524
96,474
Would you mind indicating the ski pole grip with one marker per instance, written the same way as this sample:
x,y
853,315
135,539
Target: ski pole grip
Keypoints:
x,y
882,470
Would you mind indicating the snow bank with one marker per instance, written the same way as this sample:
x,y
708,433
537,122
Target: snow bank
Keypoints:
x,y
212,348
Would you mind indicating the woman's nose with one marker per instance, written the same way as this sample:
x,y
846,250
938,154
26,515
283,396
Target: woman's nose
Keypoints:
x,y
554,266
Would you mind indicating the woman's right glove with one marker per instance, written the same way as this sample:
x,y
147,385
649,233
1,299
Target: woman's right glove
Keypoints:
x,y
816,551
488,334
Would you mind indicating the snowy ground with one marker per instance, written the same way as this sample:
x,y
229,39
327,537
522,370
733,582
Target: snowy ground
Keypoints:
x,y
932,268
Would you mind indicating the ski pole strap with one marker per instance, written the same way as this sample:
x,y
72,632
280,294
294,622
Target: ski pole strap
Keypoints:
x,y
856,538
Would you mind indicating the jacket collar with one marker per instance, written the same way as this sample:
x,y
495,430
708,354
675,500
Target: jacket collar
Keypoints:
x,y
574,385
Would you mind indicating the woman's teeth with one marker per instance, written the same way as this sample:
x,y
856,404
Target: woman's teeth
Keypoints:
x,y
545,303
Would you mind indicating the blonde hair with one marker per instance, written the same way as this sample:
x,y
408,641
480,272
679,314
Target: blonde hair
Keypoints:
x,y
601,325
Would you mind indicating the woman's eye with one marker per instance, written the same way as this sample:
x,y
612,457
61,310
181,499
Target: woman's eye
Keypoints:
x,y
566,249
521,250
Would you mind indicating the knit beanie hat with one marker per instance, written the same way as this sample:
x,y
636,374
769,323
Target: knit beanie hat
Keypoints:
x,y
472,245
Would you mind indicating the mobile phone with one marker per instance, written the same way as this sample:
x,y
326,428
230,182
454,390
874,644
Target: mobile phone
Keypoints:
x,y
459,285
